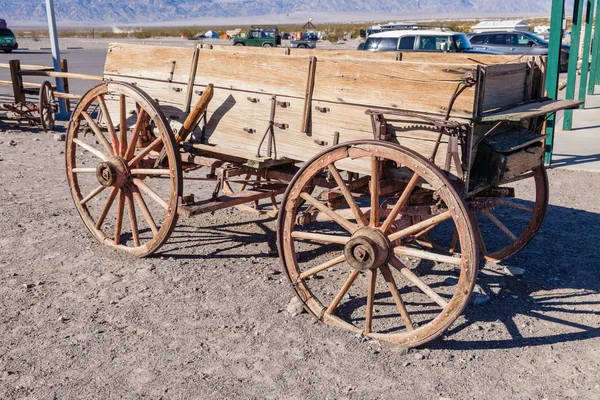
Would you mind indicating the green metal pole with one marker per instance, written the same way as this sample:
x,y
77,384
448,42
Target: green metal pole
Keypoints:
x,y
585,57
556,18
594,68
573,58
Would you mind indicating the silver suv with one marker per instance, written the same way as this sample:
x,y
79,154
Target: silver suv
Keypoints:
x,y
517,43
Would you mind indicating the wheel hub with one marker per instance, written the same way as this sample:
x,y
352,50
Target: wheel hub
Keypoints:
x,y
367,249
112,172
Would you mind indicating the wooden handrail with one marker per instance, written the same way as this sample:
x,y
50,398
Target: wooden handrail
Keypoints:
x,y
35,67
29,72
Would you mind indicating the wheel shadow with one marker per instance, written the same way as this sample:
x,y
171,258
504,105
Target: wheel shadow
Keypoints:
x,y
561,276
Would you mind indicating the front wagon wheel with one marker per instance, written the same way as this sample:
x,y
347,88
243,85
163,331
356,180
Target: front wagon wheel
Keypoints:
x,y
339,239
123,168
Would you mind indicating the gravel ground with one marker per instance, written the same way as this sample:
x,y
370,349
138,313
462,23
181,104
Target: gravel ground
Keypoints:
x,y
206,318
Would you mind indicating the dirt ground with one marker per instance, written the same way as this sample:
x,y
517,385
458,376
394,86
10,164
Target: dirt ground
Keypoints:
x,y
206,318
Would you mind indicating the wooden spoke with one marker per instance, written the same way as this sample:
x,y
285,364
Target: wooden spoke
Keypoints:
x,y
84,170
479,235
499,224
370,301
109,124
387,224
89,148
391,284
420,226
149,171
374,188
318,237
146,189
144,208
343,291
92,194
322,267
358,214
119,219
518,206
107,206
453,241
414,279
98,133
122,124
133,219
409,251
144,153
344,223
139,125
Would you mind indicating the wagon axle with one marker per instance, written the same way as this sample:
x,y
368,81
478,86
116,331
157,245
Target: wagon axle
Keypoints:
x,y
367,249
113,172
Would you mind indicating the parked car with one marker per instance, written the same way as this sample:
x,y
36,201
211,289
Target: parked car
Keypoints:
x,y
517,43
421,40
8,42
260,35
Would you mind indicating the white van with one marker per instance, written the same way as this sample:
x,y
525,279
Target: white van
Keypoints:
x,y
421,40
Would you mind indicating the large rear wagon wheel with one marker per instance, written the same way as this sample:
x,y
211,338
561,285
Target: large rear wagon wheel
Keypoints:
x,y
509,227
334,261
124,162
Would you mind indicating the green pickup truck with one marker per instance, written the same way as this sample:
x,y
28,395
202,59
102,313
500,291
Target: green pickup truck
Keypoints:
x,y
8,43
260,35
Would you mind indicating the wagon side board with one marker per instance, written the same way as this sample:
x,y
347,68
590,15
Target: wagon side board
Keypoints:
x,y
309,100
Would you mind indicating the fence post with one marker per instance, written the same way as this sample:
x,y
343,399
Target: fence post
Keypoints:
x,y
594,68
585,57
556,18
573,58
17,81
65,68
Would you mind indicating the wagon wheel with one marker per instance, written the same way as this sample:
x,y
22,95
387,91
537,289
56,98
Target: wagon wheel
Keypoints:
x,y
508,228
47,106
334,265
112,173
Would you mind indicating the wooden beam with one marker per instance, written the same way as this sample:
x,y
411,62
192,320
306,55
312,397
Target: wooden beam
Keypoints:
x,y
30,72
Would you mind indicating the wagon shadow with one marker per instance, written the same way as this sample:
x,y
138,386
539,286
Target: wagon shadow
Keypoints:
x,y
561,276
561,272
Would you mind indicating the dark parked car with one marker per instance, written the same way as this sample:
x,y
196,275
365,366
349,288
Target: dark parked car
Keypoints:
x,y
8,42
517,43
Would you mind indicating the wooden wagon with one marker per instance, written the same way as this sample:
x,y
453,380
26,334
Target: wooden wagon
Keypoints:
x,y
377,164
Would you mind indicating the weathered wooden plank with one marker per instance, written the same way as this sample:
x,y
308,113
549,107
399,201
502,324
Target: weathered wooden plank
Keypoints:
x,y
440,58
530,110
505,84
457,58
411,86
149,62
